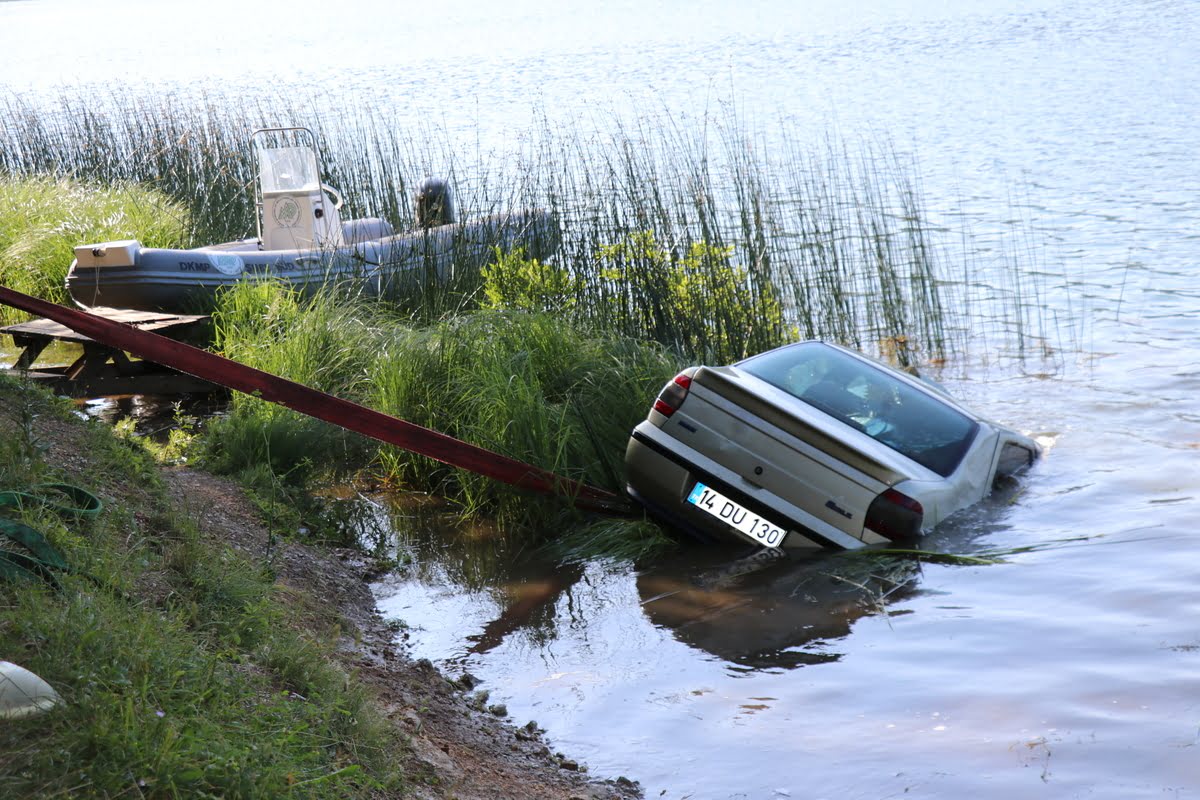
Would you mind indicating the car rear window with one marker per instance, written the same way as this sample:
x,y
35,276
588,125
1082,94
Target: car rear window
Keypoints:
x,y
869,399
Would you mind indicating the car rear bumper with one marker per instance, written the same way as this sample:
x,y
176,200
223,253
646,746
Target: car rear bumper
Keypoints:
x,y
661,471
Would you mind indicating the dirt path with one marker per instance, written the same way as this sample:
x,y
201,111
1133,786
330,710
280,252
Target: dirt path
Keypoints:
x,y
456,750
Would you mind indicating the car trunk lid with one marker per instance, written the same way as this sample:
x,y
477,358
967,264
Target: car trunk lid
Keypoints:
x,y
799,457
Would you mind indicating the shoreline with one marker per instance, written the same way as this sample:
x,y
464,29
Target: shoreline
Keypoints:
x,y
442,743
462,751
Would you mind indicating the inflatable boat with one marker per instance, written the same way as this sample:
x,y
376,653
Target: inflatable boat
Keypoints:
x,y
303,241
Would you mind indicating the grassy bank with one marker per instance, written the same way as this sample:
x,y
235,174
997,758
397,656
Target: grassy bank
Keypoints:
x,y
529,385
42,220
182,669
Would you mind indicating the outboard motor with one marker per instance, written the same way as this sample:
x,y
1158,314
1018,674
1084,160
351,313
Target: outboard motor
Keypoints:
x,y
435,205
295,213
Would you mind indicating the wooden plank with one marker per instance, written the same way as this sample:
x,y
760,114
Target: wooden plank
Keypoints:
x,y
24,334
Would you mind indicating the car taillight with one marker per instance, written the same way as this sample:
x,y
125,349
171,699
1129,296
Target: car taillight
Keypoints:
x,y
673,394
895,516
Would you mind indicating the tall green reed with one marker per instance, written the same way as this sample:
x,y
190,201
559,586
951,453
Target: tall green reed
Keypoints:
x,y
321,341
836,236
530,386
527,385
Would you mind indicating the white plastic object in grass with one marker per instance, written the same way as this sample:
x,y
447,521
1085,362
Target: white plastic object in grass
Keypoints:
x,y
23,694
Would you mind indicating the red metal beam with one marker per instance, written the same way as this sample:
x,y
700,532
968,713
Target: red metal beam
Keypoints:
x,y
351,416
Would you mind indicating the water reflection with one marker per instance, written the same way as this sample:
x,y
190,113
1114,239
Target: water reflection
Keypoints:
x,y
155,415
761,611
529,601
462,586
752,609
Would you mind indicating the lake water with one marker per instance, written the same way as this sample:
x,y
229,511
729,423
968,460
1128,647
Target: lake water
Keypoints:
x,y
1070,670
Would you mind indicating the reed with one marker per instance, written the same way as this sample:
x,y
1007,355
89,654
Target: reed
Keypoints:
x,y
835,238
322,341
196,153
527,385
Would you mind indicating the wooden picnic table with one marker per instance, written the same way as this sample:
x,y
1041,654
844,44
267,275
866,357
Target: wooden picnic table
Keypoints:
x,y
102,370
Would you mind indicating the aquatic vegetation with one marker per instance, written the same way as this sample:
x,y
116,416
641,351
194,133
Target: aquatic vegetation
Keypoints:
x,y
322,342
838,243
633,540
833,239
157,143
527,385
529,284
698,303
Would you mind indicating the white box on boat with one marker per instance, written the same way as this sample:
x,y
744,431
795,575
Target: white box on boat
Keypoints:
x,y
108,254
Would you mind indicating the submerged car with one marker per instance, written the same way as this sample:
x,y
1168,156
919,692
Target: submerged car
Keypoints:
x,y
814,445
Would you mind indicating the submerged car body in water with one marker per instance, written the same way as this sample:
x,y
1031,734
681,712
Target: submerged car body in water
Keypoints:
x,y
814,445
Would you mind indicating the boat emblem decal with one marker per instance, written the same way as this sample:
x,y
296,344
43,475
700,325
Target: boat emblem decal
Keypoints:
x,y
227,263
286,212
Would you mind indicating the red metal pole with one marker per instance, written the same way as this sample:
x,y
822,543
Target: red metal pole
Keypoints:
x,y
351,416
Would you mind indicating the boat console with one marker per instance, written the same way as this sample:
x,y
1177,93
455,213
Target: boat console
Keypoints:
x,y
295,210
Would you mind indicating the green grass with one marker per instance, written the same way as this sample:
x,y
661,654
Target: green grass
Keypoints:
x,y
529,385
42,220
699,303
181,669
324,342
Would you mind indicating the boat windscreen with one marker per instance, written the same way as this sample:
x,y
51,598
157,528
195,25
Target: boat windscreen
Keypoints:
x,y
867,398
288,169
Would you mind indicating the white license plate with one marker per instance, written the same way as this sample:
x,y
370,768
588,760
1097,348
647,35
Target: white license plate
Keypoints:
x,y
761,531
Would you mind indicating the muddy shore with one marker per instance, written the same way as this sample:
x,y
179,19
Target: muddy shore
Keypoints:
x,y
454,745
457,749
